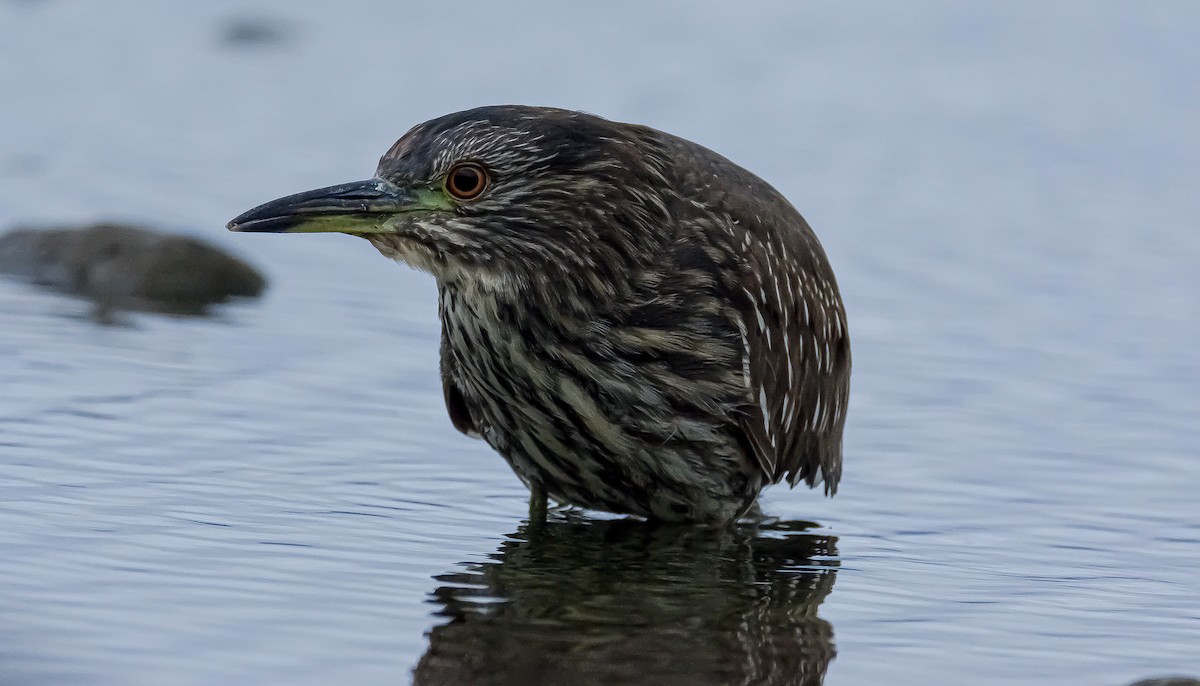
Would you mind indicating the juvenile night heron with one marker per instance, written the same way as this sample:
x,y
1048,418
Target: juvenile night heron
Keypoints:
x,y
635,323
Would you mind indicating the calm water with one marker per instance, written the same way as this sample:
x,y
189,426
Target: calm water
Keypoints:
x,y
275,495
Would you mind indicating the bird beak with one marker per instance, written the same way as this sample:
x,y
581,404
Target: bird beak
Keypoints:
x,y
370,206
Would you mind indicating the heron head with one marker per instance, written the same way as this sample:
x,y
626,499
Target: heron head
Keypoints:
x,y
501,192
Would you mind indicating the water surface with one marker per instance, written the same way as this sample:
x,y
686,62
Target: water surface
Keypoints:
x,y
274,493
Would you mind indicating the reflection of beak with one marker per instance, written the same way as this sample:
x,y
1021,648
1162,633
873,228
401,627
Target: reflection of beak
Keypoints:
x,y
361,207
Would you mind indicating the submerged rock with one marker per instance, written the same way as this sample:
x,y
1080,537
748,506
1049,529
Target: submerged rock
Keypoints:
x,y
129,267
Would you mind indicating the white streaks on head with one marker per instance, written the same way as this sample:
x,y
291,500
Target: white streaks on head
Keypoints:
x,y
498,147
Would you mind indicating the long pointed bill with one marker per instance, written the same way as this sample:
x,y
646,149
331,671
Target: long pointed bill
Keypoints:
x,y
361,207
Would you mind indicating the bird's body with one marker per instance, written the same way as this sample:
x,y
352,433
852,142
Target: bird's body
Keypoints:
x,y
634,322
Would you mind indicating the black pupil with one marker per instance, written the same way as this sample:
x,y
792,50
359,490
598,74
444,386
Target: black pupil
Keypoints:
x,y
466,180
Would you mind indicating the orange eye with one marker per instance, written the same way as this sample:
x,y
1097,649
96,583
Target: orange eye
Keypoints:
x,y
466,180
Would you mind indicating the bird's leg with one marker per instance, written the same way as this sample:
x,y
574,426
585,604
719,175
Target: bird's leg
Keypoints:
x,y
537,503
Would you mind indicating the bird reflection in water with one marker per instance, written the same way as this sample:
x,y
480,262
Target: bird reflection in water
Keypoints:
x,y
570,601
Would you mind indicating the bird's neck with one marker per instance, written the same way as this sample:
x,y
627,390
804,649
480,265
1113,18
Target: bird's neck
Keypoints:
x,y
514,294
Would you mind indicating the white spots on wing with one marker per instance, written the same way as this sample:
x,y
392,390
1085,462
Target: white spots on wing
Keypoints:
x,y
794,348
761,304
741,324
766,414
779,298
787,354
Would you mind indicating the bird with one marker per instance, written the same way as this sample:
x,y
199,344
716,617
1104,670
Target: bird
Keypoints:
x,y
635,323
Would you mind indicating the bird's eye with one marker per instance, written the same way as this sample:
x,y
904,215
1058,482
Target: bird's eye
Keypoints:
x,y
466,181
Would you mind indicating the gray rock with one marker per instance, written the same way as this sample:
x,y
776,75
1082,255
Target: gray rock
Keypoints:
x,y
1168,681
129,267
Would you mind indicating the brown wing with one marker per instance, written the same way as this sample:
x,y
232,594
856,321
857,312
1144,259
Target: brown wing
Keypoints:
x,y
796,363
797,355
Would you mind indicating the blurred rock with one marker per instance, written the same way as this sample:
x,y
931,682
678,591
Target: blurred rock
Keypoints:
x,y
1168,681
253,32
128,267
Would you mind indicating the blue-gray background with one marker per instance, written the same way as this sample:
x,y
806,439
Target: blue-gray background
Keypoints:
x,y
1008,193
